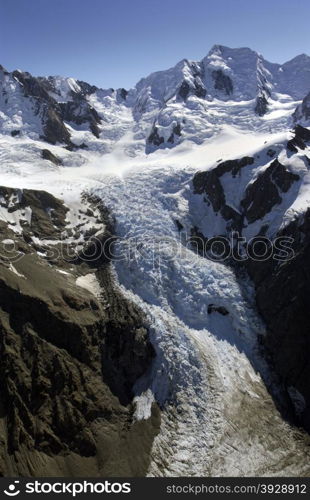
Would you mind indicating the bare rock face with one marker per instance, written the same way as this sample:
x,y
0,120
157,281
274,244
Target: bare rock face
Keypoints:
x,y
184,90
48,214
264,193
69,357
282,286
154,137
282,296
123,93
49,110
54,128
48,155
176,132
53,114
302,112
300,139
222,82
258,198
209,183
196,89
79,111
261,106
33,87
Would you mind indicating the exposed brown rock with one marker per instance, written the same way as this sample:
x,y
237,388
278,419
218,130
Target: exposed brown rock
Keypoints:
x,y
54,129
69,360
48,155
282,296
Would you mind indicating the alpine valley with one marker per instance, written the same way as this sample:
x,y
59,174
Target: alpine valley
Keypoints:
x,y
152,358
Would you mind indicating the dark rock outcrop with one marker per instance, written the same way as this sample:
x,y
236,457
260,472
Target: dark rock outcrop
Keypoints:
x,y
33,87
219,309
200,90
194,88
79,111
302,111
76,110
201,180
259,198
48,155
184,90
210,183
282,297
48,214
154,137
87,89
15,133
38,90
176,132
261,105
300,139
54,128
222,82
123,93
264,193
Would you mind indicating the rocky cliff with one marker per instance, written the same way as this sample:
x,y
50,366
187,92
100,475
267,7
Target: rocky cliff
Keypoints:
x,y
71,350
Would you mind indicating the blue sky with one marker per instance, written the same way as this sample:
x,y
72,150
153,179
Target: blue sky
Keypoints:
x,y
113,43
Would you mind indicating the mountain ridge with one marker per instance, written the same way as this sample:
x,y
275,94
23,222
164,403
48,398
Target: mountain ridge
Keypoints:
x,y
191,100
185,59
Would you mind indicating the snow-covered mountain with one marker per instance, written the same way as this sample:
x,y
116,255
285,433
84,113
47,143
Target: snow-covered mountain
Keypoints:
x,y
192,100
155,352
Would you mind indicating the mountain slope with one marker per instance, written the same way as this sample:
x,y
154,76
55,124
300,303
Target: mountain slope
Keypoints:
x,y
66,391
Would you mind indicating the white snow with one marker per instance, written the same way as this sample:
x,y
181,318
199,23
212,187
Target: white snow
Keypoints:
x,y
90,283
14,270
63,87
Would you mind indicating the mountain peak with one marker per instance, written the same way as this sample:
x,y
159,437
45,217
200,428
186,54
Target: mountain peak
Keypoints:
x,y
223,50
216,48
299,59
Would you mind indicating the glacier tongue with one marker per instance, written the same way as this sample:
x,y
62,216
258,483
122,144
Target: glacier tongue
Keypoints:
x,y
218,417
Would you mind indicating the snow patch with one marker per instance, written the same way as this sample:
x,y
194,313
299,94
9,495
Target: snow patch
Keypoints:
x,y
90,283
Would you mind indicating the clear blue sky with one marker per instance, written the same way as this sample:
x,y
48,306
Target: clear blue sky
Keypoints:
x,y
113,43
